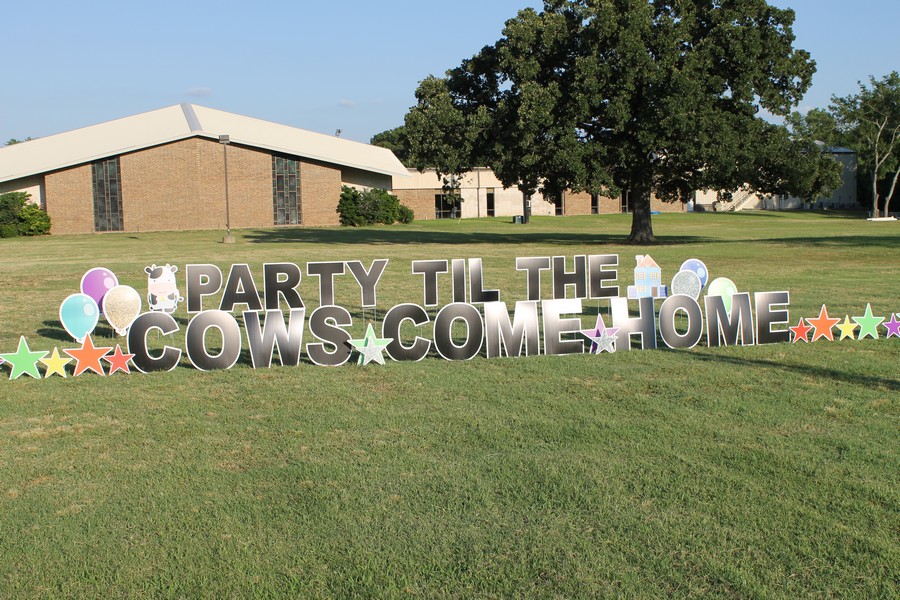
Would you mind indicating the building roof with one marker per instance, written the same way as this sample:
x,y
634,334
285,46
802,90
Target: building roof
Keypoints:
x,y
644,261
180,122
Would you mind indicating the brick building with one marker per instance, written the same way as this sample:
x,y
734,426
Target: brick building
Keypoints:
x,y
483,195
165,170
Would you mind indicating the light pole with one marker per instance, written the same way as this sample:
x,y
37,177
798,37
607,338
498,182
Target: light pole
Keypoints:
x,y
225,140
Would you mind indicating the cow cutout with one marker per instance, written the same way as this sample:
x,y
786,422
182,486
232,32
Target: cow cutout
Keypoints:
x,y
162,290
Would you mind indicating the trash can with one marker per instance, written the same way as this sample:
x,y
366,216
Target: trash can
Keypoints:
x,y
518,220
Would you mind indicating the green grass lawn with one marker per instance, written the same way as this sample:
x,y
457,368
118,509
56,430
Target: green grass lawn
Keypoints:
x,y
764,471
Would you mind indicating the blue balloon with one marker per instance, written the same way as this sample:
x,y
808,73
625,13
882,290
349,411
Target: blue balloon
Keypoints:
x,y
79,314
696,265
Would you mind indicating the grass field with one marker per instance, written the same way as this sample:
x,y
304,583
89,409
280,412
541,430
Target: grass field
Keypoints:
x,y
765,471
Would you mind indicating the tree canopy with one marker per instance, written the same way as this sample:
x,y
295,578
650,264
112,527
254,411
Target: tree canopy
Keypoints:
x,y
870,122
650,96
395,140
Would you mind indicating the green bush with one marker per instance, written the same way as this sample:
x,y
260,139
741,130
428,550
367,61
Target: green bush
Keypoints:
x,y
17,217
406,215
33,221
356,209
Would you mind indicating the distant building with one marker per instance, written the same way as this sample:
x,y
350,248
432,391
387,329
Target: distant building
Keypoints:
x,y
165,170
483,195
845,197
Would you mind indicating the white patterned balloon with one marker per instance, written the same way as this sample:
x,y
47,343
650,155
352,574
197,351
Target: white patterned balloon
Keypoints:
x,y
121,305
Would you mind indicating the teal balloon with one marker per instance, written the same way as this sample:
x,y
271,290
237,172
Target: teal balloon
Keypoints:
x,y
79,314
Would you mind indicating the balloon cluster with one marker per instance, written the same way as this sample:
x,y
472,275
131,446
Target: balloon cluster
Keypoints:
x,y
692,277
100,294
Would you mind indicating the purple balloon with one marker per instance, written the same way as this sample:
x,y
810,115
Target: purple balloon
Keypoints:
x,y
97,282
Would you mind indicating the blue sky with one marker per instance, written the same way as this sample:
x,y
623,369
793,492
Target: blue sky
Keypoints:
x,y
350,65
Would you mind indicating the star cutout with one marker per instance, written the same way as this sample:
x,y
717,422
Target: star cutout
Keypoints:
x,y
55,365
370,347
118,361
602,338
823,325
801,331
846,328
87,358
892,326
868,324
23,361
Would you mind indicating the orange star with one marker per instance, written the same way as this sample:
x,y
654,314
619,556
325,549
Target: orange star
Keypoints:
x,y
118,361
87,358
823,325
800,330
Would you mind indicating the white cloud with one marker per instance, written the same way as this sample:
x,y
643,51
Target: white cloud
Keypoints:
x,y
343,102
200,92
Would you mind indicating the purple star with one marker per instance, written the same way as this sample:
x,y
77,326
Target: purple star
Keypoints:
x,y
892,326
601,336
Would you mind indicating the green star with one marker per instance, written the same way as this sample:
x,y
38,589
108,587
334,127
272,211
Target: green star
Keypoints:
x,y
370,347
23,361
868,324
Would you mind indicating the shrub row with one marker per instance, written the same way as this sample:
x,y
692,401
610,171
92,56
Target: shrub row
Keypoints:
x,y
356,208
17,217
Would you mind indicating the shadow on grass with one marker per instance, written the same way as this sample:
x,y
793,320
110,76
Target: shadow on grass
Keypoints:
x,y
809,370
462,238
850,215
867,241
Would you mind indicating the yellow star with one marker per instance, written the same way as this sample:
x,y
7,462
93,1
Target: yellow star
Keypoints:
x,y
55,364
846,328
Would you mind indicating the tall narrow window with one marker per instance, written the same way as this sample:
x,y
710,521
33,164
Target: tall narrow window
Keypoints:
x,y
490,202
106,181
595,204
286,190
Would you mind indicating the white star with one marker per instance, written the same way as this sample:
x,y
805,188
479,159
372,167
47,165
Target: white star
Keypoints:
x,y
370,347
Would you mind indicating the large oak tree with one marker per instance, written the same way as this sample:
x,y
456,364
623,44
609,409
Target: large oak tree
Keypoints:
x,y
655,97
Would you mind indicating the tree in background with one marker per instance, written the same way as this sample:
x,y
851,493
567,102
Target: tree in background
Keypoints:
x,y
654,97
395,140
818,125
13,141
870,121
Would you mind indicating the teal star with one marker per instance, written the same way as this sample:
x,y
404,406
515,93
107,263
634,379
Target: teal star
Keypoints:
x,y
868,324
23,361
370,347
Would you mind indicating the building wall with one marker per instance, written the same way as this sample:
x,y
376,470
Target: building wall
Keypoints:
x,y
182,186
418,192
34,186
320,191
577,203
419,189
70,200
420,201
365,180
667,207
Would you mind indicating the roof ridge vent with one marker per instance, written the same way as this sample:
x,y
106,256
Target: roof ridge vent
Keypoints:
x,y
191,117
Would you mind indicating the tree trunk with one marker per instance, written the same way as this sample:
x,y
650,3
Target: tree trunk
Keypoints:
x,y
641,228
890,194
875,212
526,207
